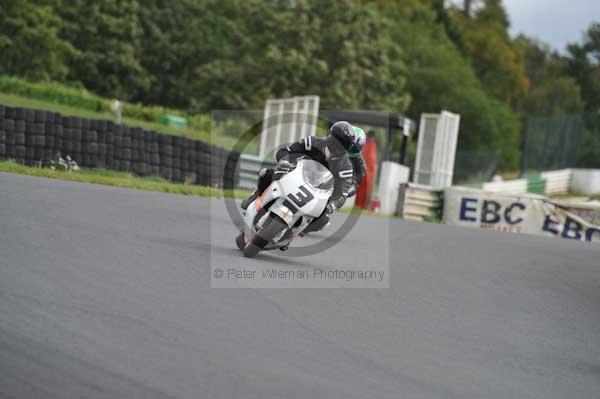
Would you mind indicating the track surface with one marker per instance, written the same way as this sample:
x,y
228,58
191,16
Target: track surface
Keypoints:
x,y
105,293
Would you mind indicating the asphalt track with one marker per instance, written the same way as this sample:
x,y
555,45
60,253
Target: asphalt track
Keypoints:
x,y
105,293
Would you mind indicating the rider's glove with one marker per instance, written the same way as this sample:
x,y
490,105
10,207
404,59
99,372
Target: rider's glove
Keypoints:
x,y
285,165
352,190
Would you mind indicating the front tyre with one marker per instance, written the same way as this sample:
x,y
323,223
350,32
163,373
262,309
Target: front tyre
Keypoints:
x,y
273,227
240,241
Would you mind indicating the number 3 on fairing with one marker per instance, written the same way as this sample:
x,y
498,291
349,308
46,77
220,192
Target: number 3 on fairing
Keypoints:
x,y
303,197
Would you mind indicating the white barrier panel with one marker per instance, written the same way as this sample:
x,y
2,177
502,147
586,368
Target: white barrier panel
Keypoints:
x,y
528,214
557,181
418,202
286,120
392,175
436,149
586,181
518,186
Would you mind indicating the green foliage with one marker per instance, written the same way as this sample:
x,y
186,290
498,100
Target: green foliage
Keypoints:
x,y
554,97
483,36
231,127
440,78
339,50
552,92
589,148
175,41
54,92
107,35
29,41
82,98
584,66
122,179
410,56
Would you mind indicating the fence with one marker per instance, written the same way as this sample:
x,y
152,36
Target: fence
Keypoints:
x,y
36,136
566,141
473,167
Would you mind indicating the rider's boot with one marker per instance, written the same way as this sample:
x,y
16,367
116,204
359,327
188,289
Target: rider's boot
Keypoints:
x,y
265,177
246,203
316,224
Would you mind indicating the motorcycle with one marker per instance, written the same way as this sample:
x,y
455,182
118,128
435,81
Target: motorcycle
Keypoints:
x,y
285,208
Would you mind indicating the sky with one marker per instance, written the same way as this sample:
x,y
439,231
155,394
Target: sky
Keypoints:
x,y
555,22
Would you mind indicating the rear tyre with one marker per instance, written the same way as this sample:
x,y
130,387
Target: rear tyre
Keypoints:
x,y
273,226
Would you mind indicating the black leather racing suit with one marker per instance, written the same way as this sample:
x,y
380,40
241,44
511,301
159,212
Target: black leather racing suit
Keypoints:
x,y
359,167
315,148
340,166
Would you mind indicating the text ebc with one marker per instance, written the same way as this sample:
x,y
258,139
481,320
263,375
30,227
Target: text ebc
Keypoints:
x,y
492,212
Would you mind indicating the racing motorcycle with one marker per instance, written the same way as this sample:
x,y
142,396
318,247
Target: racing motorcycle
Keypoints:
x,y
286,207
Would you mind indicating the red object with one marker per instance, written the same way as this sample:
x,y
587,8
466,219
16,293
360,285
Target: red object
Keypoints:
x,y
369,154
375,204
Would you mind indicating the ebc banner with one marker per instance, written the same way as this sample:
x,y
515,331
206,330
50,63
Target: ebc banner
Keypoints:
x,y
527,213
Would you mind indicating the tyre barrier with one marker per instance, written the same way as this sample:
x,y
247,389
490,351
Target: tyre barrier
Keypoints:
x,y
34,137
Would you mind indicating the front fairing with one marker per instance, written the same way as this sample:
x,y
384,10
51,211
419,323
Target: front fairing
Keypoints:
x,y
298,197
291,198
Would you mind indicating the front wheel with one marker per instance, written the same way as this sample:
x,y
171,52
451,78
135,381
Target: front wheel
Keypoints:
x,y
240,241
273,227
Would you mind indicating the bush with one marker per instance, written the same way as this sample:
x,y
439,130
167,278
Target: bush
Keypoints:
x,y
53,92
81,98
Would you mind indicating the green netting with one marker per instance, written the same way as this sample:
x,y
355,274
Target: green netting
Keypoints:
x,y
551,143
588,152
475,167
561,142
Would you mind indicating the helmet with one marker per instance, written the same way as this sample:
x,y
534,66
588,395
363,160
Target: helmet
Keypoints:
x,y
341,137
359,142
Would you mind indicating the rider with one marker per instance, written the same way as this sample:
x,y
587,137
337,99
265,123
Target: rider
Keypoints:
x,y
358,163
359,169
330,151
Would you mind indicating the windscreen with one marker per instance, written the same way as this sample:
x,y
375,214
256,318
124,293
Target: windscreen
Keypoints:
x,y
317,175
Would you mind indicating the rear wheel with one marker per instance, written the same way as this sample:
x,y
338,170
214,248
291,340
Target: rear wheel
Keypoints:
x,y
273,227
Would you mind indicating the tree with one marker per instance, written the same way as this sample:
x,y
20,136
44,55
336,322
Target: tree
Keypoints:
x,y
584,66
441,78
337,49
29,41
552,91
107,35
174,42
483,35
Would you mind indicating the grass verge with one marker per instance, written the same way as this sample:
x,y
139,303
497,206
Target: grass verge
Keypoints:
x,y
15,100
154,183
122,179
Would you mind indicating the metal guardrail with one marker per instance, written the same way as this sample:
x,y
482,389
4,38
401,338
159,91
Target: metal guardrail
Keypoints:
x,y
249,167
